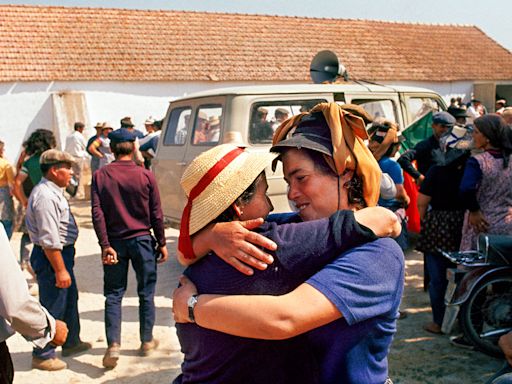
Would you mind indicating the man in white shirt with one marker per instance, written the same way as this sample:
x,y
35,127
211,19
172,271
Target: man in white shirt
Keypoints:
x,y
76,146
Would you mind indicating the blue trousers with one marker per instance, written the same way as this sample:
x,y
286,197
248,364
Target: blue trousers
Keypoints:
x,y
62,303
115,279
436,267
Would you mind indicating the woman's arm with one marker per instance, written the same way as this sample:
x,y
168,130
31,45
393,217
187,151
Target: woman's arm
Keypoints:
x,y
401,195
275,317
234,242
423,202
18,188
93,149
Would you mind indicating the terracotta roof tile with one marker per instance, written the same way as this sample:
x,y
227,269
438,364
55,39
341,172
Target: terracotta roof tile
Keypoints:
x,y
58,43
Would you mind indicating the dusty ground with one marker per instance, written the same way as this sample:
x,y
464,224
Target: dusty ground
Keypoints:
x,y
416,356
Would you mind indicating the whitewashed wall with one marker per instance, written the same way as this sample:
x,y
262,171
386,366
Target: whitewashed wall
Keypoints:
x,y
28,106
447,90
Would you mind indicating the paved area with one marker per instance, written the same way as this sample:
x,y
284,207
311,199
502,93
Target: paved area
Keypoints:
x,y
416,356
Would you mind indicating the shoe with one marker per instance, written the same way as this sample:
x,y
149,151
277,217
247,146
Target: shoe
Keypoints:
x,y
433,328
461,342
402,315
82,346
111,356
53,364
148,347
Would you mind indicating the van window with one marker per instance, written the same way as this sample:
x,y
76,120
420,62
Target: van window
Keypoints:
x,y
267,116
207,125
420,106
177,127
378,108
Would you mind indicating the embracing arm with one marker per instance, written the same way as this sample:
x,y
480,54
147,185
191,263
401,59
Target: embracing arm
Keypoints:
x,y
236,244
261,316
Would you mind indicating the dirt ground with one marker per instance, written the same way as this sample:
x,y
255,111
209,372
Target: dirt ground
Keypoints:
x,y
416,357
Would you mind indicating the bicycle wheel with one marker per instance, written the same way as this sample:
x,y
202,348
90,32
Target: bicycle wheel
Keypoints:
x,y
488,309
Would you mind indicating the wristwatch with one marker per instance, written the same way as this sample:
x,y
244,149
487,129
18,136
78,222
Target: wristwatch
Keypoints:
x,y
192,301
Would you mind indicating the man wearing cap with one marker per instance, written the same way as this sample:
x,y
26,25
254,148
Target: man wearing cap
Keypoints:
x,y
53,230
500,106
280,115
125,207
460,115
422,152
126,123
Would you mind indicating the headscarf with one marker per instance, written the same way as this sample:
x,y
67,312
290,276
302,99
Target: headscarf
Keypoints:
x,y
386,130
349,150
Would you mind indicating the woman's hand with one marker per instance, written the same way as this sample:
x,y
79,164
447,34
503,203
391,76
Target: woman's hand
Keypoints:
x,y
477,221
180,298
382,221
237,245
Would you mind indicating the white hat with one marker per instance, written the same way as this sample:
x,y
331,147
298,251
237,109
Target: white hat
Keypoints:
x,y
218,177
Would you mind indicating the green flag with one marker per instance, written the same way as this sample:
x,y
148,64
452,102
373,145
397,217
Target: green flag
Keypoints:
x,y
417,131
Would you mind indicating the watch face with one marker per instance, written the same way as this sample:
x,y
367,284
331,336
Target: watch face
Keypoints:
x,y
192,301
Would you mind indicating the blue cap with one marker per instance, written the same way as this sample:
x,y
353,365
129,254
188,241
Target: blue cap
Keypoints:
x,y
121,135
443,118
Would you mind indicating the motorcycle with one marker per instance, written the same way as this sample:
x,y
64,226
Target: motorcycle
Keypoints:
x,y
479,292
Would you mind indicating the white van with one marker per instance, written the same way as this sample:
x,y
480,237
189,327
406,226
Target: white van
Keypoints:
x,y
197,122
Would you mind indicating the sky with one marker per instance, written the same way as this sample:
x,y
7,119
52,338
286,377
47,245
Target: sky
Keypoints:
x,y
494,17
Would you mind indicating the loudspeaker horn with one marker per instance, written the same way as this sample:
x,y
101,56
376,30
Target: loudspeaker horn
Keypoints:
x,y
325,67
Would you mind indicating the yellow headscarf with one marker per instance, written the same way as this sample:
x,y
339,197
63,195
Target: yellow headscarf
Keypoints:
x,y
349,150
390,138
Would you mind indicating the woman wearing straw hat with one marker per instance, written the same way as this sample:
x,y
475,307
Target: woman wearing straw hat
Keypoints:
x,y
350,307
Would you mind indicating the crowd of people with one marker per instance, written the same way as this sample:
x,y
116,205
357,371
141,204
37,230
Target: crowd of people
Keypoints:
x,y
118,158
313,296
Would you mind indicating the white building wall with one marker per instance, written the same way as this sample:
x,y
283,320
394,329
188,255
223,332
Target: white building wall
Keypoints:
x,y
447,90
27,106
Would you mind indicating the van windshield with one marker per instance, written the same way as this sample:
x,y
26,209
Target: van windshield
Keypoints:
x,y
266,117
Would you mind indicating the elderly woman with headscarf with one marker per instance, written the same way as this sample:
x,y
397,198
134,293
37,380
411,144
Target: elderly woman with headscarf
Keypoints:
x,y
349,308
486,187
441,211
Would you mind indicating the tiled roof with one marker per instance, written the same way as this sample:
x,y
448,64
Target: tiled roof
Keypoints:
x,y
40,43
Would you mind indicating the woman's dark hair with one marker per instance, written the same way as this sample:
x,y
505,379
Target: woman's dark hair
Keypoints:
x,y
122,149
354,185
494,128
39,141
244,198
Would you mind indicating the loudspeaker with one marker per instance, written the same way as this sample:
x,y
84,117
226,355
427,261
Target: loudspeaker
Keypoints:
x,y
325,67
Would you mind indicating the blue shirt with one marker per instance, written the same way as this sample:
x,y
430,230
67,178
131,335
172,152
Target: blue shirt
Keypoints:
x,y
49,220
392,168
303,248
366,286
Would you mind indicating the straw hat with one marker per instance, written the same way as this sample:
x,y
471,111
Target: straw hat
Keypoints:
x,y
235,170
